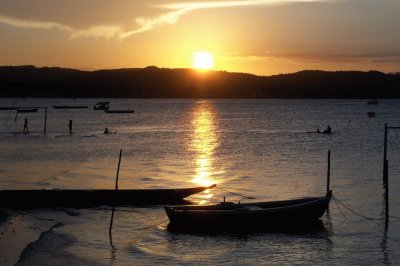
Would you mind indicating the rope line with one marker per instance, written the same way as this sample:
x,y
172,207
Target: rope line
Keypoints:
x,y
237,194
337,205
356,213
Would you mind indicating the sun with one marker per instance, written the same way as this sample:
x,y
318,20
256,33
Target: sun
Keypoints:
x,y
203,60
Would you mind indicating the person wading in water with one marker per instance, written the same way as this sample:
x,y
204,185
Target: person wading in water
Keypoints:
x,y
25,130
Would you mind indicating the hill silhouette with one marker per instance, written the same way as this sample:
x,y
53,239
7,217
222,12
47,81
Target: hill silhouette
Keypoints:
x,y
154,82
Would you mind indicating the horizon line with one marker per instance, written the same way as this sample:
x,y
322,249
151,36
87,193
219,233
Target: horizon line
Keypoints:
x,y
194,69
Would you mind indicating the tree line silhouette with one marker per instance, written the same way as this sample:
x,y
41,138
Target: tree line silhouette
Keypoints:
x,y
154,82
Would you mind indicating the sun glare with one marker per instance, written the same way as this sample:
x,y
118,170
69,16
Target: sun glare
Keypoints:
x,y
204,142
203,60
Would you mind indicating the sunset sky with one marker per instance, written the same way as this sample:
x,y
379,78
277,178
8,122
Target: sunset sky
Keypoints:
x,y
263,37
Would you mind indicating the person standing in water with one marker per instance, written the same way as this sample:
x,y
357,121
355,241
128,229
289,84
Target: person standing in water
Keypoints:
x,y
25,130
328,130
70,126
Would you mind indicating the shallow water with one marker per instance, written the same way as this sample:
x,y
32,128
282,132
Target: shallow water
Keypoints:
x,y
260,148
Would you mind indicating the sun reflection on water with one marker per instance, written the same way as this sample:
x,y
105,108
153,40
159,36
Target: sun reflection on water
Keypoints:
x,y
203,142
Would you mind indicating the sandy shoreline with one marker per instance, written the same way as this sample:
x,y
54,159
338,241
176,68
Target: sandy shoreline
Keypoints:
x,y
17,230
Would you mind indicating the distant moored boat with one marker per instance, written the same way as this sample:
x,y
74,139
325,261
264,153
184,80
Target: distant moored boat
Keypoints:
x,y
372,102
101,106
119,111
27,110
70,106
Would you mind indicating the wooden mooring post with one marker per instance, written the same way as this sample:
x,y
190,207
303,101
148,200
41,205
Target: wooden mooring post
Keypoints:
x,y
328,176
386,170
385,162
113,208
119,164
45,120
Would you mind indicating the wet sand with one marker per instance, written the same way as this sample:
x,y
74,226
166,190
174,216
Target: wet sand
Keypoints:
x,y
17,230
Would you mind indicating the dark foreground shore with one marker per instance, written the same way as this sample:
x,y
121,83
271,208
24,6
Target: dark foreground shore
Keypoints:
x,y
17,230
3,216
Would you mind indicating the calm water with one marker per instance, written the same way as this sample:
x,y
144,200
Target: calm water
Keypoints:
x,y
260,148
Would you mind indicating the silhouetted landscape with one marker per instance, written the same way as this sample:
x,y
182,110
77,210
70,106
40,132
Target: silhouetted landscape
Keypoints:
x,y
154,82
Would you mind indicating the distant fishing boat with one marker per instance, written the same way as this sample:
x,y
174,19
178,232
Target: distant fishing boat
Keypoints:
x,y
372,102
27,110
95,197
119,111
101,106
371,114
70,106
247,216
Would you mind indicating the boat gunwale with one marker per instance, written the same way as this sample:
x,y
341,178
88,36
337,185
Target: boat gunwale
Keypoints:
x,y
240,208
94,197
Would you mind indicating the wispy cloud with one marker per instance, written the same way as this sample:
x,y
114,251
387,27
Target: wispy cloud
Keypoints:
x,y
183,8
172,15
313,57
147,24
99,31
30,24
221,4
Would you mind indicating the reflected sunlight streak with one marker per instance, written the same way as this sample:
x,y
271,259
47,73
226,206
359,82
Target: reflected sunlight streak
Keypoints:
x,y
204,141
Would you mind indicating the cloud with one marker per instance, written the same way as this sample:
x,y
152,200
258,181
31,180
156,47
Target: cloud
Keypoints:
x,y
189,6
147,24
99,31
144,23
19,23
314,57
180,9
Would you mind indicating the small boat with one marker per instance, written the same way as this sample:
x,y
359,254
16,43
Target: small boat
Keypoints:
x,y
243,216
96,197
7,108
70,106
27,110
107,131
101,106
119,111
372,102
371,114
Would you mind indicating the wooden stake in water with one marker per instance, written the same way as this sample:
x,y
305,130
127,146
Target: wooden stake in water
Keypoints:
x,y
119,164
387,192
113,208
45,120
329,173
386,170
385,165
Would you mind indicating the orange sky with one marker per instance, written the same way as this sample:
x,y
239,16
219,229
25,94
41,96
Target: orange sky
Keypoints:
x,y
263,37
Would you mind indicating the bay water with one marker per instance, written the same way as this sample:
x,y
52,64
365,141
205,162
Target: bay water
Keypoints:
x,y
263,148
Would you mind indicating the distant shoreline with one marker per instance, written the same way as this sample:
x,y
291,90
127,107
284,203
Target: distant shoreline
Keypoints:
x,y
154,82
